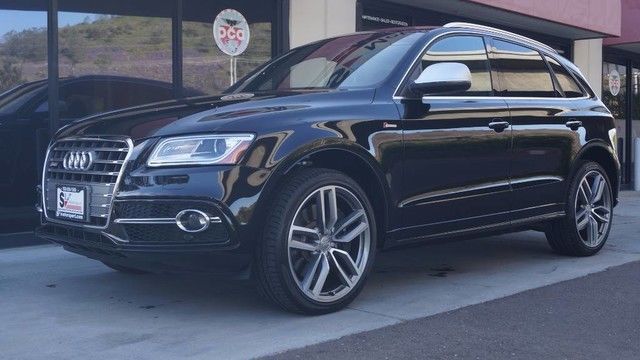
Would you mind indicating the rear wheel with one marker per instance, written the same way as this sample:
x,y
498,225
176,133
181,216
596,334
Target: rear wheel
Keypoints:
x,y
319,242
585,229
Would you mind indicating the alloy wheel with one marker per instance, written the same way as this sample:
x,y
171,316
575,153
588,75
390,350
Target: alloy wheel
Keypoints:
x,y
329,244
593,209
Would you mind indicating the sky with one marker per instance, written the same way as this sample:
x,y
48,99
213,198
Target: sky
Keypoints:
x,y
21,20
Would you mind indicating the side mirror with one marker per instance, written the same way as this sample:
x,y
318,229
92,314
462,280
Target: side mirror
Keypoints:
x,y
446,77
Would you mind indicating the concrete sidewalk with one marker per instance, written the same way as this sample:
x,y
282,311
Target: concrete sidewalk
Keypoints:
x,y
20,239
59,305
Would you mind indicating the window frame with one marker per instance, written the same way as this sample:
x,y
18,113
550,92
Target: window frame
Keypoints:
x,y
499,88
572,75
402,91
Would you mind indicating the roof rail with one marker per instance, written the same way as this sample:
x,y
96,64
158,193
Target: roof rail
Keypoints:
x,y
501,32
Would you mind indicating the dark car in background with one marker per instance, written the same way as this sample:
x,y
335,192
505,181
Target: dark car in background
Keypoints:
x,y
310,164
24,123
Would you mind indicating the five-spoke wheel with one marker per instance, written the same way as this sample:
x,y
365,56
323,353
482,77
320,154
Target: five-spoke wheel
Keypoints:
x,y
319,242
329,243
593,208
585,229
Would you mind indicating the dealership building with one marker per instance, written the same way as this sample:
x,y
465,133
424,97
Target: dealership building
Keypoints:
x,y
171,44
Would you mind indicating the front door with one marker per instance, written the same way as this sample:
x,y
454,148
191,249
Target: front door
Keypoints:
x,y
457,149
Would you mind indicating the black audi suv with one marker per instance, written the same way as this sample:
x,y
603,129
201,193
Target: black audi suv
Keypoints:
x,y
299,173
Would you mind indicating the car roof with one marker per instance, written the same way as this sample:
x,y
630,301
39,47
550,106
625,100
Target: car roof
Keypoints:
x,y
470,27
501,33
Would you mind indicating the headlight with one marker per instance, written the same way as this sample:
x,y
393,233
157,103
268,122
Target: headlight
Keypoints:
x,y
200,150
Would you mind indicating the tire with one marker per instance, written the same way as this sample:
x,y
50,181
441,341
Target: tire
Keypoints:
x,y
290,260
576,234
124,269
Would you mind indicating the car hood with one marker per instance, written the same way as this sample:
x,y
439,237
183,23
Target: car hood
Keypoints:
x,y
228,113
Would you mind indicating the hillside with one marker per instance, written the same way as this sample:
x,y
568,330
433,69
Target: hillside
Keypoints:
x,y
128,46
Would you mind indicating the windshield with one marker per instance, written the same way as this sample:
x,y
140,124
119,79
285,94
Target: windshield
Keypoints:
x,y
360,60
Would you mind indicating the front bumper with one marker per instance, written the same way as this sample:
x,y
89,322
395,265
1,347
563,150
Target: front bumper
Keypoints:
x,y
227,194
121,187
157,258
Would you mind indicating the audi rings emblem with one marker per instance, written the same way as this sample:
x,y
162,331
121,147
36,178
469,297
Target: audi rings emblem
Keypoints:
x,y
78,160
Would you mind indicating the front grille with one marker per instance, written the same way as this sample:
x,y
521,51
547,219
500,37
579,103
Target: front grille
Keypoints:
x,y
150,209
100,178
168,234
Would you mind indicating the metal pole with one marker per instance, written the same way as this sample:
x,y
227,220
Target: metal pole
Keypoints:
x,y
628,125
636,167
52,58
177,49
231,82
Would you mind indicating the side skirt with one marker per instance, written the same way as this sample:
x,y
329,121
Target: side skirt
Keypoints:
x,y
499,228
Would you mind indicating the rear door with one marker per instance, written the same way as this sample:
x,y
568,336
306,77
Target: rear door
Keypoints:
x,y
457,148
541,118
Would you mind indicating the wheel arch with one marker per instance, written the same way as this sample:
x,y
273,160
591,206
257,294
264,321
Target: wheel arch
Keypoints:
x,y
348,158
604,155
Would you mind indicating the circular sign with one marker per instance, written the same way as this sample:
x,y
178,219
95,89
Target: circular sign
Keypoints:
x,y
614,82
231,32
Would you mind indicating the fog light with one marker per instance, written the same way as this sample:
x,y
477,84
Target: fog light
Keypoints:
x,y
193,221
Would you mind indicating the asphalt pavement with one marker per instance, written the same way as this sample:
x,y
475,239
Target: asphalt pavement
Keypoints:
x,y
593,317
57,305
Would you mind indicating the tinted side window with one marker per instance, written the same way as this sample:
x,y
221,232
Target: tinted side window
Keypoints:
x,y
567,83
523,72
468,50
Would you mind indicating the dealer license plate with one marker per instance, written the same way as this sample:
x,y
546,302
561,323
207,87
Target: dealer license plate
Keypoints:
x,y
71,203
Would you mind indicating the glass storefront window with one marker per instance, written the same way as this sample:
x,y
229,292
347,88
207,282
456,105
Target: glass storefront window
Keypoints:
x,y
103,44
23,47
109,61
614,95
23,74
206,68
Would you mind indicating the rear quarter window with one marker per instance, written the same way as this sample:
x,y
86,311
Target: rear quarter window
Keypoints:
x,y
567,83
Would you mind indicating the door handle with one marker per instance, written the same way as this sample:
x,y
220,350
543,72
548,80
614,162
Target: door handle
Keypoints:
x,y
574,124
499,126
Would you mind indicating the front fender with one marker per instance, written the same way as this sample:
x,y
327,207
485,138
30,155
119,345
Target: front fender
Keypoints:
x,y
363,149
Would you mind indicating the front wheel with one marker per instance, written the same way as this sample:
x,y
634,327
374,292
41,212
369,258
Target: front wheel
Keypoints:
x,y
319,243
585,229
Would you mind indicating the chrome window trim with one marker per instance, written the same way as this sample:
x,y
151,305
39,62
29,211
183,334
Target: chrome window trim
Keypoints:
x,y
470,32
465,25
129,143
